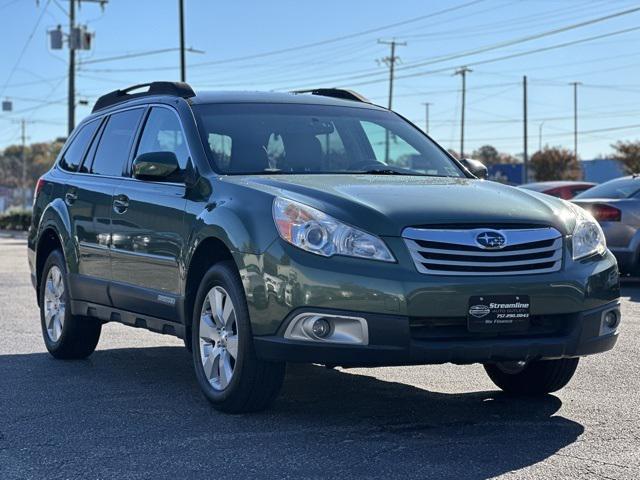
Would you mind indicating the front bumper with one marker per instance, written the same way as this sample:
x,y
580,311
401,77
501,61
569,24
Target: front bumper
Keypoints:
x,y
394,297
394,341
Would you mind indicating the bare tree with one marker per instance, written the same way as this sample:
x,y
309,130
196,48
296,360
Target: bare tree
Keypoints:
x,y
628,154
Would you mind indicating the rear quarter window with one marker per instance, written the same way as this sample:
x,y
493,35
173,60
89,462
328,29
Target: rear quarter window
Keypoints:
x,y
115,143
74,153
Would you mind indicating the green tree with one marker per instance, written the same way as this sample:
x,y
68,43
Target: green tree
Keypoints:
x,y
489,155
628,154
555,163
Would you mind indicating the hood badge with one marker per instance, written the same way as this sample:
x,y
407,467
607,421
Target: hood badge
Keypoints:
x,y
491,240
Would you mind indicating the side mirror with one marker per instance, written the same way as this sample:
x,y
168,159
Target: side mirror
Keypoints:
x,y
158,166
476,167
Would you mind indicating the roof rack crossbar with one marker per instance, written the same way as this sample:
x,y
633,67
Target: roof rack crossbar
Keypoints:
x,y
343,93
178,89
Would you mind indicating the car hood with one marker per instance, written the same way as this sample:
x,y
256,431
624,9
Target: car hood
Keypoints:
x,y
385,205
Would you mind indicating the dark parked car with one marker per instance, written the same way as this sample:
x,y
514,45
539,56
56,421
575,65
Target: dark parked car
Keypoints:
x,y
561,189
616,205
265,228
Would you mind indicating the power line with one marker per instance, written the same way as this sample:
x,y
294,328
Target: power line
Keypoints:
x,y
135,55
340,38
8,4
527,38
556,135
513,55
24,48
495,46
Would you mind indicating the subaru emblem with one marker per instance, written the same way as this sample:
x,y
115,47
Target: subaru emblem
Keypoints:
x,y
491,240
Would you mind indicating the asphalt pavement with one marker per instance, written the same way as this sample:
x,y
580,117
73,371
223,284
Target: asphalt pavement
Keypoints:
x,y
133,410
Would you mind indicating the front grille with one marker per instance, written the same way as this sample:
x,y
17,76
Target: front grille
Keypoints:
x,y
457,251
455,328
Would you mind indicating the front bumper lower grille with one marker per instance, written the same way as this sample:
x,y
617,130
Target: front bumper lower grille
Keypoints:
x,y
457,252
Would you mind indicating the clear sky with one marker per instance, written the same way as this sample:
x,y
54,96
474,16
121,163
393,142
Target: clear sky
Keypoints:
x,y
280,45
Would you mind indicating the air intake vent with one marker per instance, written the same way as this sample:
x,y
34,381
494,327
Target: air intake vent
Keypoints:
x,y
485,251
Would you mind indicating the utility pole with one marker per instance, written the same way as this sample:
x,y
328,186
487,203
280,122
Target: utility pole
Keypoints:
x,y
78,38
183,70
426,117
575,118
71,96
540,135
391,62
525,155
463,73
23,138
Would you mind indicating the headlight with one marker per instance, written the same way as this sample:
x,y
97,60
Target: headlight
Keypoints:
x,y
588,237
317,232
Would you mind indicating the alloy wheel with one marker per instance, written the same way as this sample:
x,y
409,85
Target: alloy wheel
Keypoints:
x,y
54,303
218,335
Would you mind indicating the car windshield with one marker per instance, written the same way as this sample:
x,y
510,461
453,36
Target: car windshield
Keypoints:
x,y
255,138
621,188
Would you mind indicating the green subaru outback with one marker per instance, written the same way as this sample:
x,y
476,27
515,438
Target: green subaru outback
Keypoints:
x,y
265,228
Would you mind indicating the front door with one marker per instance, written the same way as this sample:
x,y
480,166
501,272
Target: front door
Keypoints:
x,y
148,227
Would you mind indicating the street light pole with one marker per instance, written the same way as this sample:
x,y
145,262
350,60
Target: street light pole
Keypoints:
x,y
71,97
426,117
463,73
575,118
525,155
183,71
23,154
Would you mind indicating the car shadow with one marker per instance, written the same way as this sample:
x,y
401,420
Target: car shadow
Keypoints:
x,y
138,413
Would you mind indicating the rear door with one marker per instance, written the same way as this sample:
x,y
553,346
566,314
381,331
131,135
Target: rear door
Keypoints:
x,y
88,203
93,203
148,226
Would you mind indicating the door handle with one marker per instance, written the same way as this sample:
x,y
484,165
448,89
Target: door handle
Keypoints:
x,y
120,203
70,197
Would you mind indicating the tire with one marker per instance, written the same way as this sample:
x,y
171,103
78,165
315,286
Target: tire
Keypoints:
x,y
534,378
66,336
237,384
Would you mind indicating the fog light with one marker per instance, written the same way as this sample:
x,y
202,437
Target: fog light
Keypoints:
x,y
321,328
611,319
328,328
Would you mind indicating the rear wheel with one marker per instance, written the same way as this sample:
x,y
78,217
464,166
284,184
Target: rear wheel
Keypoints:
x,y
230,375
65,335
532,378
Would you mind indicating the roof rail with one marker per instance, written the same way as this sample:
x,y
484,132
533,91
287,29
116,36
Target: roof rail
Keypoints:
x,y
177,89
342,93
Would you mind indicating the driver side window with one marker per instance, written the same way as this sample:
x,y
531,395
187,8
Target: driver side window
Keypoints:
x,y
163,133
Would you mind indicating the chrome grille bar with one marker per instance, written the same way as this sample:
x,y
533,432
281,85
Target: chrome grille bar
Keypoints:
x,y
456,252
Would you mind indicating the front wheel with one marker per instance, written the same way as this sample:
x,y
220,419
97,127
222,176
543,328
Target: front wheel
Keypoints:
x,y
230,375
532,378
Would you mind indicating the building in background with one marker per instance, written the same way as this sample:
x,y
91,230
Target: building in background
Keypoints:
x,y
597,171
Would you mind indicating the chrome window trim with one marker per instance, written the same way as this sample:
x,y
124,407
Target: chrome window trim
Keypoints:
x,y
162,259
146,107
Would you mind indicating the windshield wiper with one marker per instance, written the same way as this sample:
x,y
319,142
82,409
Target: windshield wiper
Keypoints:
x,y
387,171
